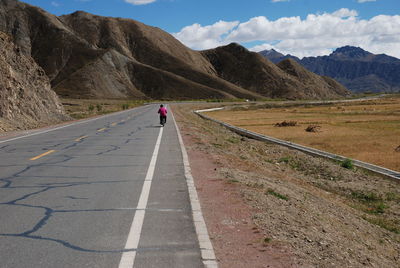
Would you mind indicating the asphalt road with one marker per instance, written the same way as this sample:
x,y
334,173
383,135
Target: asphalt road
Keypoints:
x,y
102,193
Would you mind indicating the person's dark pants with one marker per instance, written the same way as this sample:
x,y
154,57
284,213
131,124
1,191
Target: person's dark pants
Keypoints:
x,y
163,119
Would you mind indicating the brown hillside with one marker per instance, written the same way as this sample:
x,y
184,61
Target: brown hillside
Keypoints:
x,y
85,55
26,98
314,85
153,47
252,71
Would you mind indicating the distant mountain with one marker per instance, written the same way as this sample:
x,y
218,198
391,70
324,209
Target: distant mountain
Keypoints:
x,y
89,56
357,69
276,56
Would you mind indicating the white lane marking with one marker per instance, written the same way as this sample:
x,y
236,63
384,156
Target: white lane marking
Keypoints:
x,y
68,125
206,247
128,258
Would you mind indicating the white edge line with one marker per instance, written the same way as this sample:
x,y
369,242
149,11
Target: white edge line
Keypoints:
x,y
132,242
68,125
207,250
210,110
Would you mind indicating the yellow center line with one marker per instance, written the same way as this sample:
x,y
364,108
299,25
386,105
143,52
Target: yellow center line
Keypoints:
x,y
81,138
101,129
39,156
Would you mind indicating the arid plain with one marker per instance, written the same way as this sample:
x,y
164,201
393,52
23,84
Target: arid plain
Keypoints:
x,y
366,130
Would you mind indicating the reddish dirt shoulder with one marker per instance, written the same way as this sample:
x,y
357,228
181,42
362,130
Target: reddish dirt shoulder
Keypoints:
x,y
237,241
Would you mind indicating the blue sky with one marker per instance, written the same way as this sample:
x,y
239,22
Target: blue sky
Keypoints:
x,y
299,27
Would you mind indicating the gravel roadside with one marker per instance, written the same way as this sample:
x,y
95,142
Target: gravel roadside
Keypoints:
x,y
269,206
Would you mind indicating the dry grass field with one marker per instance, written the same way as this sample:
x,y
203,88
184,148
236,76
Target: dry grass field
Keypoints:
x,y
83,108
365,130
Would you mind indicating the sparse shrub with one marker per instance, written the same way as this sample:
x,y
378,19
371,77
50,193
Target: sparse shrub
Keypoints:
x,y
267,240
285,159
347,163
125,106
278,195
292,162
384,223
233,140
91,108
255,185
366,197
99,107
379,208
372,202
286,124
217,145
313,128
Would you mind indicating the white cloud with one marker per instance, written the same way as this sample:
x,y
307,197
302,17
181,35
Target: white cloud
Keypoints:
x,y
276,1
344,12
364,1
140,2
317,34
199,37
55,4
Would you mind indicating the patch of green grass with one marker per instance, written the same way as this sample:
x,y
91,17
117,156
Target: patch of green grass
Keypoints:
x,y
233,140
233,181
347,163
266,240
278,195
366,196
378,208
255,185
217,145
370,202
292,162
285,159
385,224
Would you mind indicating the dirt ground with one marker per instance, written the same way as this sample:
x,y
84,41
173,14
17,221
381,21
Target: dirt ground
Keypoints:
x,y
270,206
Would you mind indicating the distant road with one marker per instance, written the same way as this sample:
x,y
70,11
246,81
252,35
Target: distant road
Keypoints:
x,y
109,192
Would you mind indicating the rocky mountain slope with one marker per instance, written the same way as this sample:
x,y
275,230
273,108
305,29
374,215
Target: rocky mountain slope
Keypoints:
x,y
357,69
88,56
26,98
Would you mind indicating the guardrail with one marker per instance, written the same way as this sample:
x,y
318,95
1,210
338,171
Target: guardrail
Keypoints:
x,y
377,169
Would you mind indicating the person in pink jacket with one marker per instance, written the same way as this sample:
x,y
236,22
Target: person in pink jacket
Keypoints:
x,y
163,115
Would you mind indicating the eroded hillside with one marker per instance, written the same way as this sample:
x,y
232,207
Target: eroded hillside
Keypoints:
x,y
26,98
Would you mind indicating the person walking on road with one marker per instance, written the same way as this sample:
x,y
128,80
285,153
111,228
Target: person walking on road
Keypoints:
x,y
163,115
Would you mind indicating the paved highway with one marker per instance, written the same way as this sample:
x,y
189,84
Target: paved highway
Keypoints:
x,y
109,192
